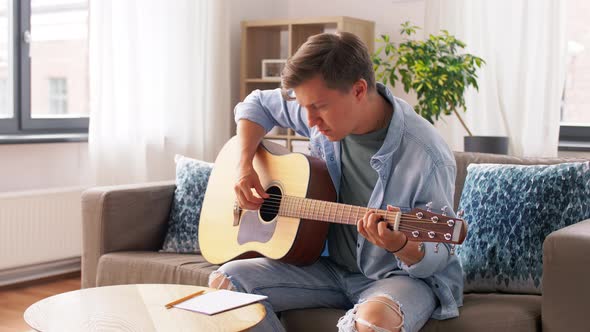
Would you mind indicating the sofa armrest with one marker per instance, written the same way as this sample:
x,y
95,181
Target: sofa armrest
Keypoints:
x,y
126,217
566,271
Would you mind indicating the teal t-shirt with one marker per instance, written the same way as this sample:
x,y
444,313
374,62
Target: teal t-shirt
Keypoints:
x,y
356,186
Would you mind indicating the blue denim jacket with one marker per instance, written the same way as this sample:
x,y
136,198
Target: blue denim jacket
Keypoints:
x,y
415,166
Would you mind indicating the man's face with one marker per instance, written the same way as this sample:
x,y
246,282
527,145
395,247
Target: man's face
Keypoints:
x,y
335,113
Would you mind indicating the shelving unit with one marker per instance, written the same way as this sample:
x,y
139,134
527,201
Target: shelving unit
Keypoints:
x,y
279,39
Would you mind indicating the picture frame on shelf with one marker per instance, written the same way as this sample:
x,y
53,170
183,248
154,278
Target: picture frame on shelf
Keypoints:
x,y
272,68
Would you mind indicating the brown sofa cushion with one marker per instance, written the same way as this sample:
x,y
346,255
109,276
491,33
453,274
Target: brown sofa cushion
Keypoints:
x,y
143,267
480,312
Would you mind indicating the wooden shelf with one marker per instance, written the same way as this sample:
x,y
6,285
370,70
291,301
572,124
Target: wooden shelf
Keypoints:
x,y
263,80
279,39
277,136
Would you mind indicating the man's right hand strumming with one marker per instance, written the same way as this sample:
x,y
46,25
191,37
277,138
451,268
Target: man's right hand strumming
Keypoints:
x,y
250,135
248,180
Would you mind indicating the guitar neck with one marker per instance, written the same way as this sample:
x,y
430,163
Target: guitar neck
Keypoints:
x,y
418,225
339,213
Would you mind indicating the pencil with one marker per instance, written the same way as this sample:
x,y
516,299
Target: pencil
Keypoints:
x,y
171,304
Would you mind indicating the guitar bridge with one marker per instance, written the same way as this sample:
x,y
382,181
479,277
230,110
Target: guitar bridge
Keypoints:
x,y
237,213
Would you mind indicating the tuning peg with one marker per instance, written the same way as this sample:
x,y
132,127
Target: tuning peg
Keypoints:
x,y
444,210
452,249
461,213
429,206
436,248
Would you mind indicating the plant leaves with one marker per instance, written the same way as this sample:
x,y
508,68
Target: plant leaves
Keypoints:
x,y
436,69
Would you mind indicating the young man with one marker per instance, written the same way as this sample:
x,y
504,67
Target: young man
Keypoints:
x,y
378,152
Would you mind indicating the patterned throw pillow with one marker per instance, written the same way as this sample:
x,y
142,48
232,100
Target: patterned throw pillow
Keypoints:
x,y
183,225
510,210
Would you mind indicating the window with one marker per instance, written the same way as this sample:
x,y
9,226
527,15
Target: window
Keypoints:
x,y
575,111
43,66
58,96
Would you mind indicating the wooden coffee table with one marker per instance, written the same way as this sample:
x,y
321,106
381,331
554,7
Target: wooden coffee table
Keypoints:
x,y
134,308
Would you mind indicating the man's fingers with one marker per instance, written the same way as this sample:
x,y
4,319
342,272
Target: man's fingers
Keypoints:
x,y
371,223
382,229
260,190
247,200
392,208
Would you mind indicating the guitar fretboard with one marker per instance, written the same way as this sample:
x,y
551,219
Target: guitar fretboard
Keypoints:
x,y
306,208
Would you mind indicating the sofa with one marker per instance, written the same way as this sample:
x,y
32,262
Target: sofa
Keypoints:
x,y
124,227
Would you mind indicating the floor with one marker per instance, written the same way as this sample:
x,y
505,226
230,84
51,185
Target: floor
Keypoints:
x,y
14,300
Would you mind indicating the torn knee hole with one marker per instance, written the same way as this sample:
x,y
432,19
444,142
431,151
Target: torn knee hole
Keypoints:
x,y
354,320
388,302
220,281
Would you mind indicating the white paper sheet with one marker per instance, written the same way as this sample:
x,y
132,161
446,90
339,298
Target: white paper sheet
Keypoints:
x,y
219,301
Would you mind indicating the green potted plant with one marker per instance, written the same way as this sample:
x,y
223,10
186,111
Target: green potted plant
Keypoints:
x,y
438,74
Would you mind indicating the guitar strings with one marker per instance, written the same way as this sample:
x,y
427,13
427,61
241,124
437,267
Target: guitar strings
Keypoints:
x,y
409,229
413,220
299,203
296,205
403,227
279,198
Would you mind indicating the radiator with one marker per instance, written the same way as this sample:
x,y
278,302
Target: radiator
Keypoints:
x,y
39,228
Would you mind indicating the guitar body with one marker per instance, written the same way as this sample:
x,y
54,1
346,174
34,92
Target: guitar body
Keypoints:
x,y
227,232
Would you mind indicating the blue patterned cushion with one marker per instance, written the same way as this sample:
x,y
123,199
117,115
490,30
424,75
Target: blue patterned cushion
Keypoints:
x,y
510,210
183,226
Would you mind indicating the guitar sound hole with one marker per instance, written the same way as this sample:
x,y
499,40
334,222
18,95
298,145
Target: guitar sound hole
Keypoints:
x,y
270,207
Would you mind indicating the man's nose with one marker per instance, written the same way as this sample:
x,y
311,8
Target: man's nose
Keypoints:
x,y
312,120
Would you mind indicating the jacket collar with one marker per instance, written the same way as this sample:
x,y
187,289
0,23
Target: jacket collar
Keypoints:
x,y
394,133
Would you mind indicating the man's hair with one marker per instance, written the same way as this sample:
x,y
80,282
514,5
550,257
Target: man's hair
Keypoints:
x,y
341,59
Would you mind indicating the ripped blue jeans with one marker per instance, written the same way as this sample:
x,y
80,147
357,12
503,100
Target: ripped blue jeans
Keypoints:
x,y
325,284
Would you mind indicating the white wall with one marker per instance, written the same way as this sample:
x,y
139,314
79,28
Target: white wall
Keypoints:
x,y
43,166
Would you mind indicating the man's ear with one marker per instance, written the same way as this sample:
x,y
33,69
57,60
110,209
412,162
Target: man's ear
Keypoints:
x,y
360,89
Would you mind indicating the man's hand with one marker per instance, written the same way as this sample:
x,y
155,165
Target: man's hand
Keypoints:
x,y
248,180
378,233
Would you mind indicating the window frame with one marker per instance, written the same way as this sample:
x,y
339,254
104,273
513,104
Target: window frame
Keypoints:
x,y
574,138
22,123
57,95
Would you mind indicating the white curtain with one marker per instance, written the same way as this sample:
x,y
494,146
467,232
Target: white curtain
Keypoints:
x,y
159,85
520,86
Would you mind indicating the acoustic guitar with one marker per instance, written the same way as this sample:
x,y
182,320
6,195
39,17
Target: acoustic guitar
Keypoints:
x,y
292,224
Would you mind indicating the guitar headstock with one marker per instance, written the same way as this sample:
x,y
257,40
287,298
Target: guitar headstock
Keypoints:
x,y
426,226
